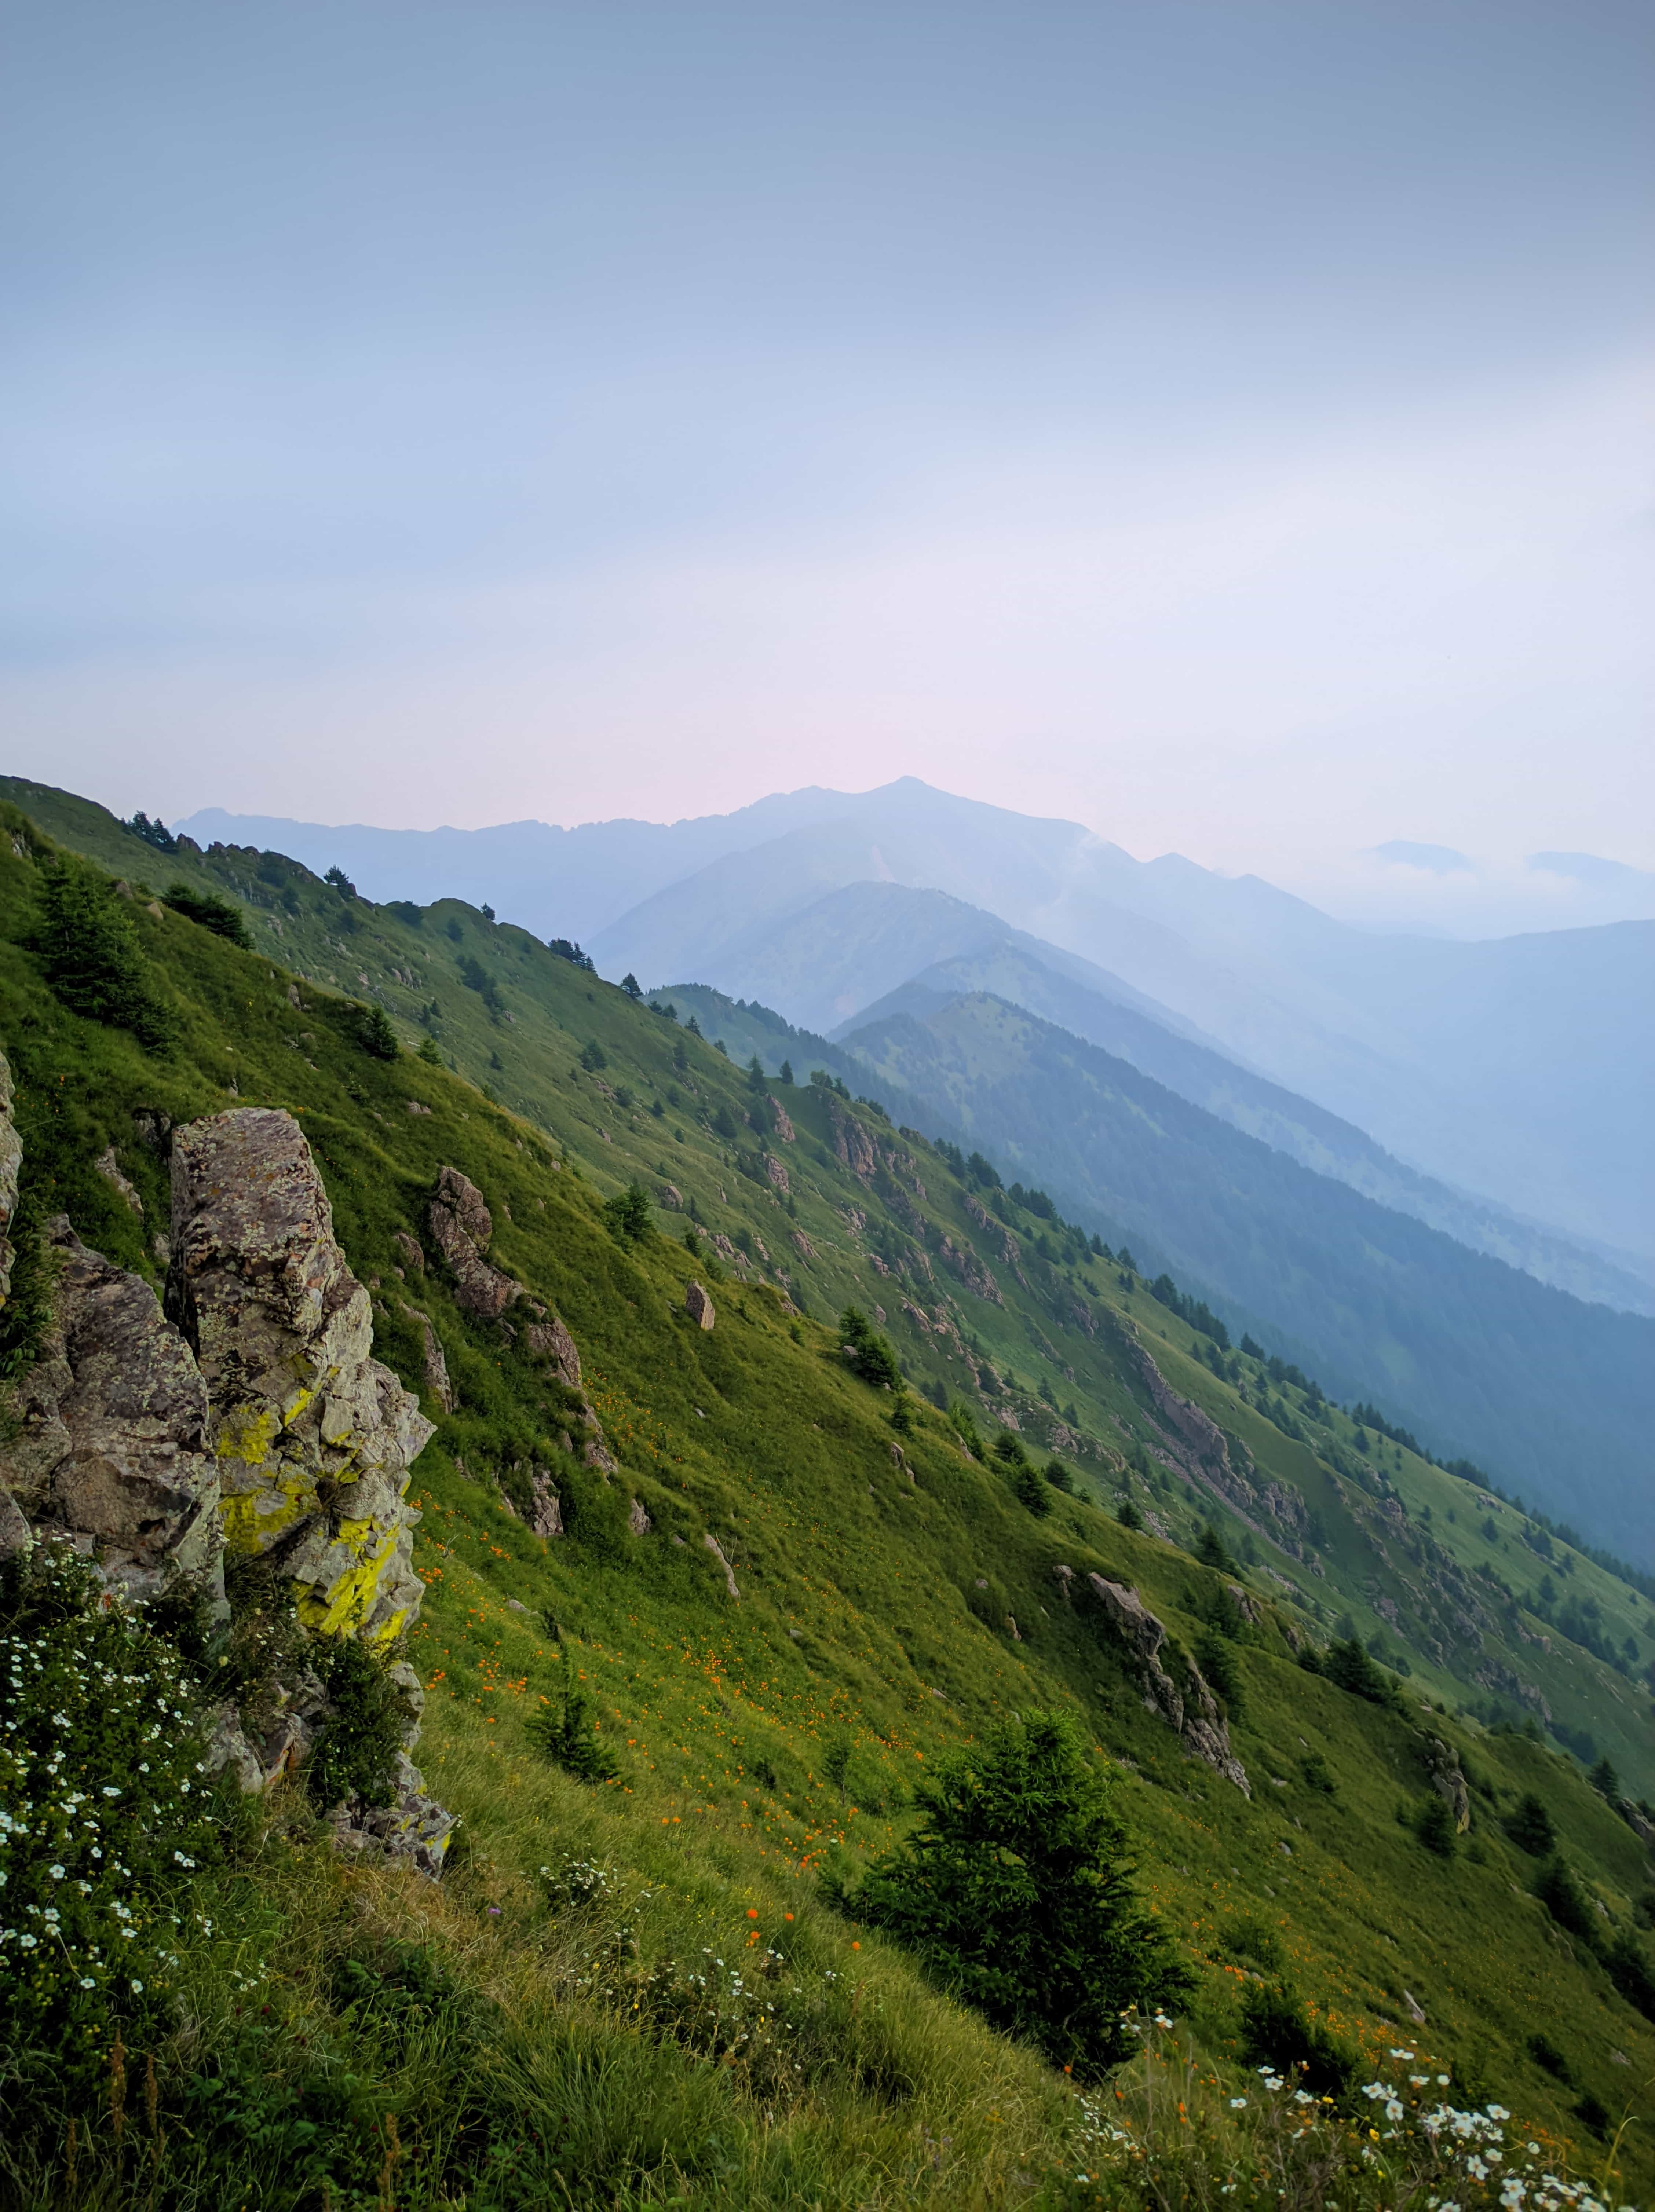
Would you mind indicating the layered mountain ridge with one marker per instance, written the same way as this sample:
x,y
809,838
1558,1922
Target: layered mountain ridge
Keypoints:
x,y
779,1591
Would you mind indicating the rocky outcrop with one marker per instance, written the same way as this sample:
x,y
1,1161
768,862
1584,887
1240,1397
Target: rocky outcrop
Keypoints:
x,y
461,1228
16,1534
1010,1250
777,1174
1199,1449
111,1446
699,1306
1637,1819
852,1143
313,1437
717,1551
546,1512
1495,1674
1246,1604
1449,1782
783,1125
1192,1712
115,1175
249,1412
434,1364
413,1827
1201,1437
547,1340
11,1159
964,1263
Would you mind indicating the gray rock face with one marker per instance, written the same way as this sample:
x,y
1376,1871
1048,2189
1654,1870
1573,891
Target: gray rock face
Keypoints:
x,y
252,1408
1640,1826
113,1438
549,1341
1245,1603
852,1143
1449,1783
437,1367
699,1306
546,1512
461,1228
225,1746
313,1437
1195,1717
412,1827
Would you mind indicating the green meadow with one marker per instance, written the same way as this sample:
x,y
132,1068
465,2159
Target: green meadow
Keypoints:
x,y
655,1988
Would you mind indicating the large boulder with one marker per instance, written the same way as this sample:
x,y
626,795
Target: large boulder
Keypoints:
x,y
111,1444
313,1437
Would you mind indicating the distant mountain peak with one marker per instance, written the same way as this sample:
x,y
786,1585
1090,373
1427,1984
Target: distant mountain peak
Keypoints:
x,y
1404,853
1588,868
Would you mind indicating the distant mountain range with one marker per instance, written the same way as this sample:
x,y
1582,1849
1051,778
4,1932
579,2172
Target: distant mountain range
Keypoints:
x,y
1494,1089
1555,1395
1137,1037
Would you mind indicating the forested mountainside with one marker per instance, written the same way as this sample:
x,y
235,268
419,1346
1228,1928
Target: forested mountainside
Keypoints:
x,y
1072,996
1557,1394
787,1593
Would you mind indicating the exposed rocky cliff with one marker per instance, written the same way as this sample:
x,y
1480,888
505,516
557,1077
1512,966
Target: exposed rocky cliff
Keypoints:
x,y
109,1445
248,1416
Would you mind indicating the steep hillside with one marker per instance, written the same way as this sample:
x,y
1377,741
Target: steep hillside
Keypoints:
x,y
1074,996
878,1595
1556,1395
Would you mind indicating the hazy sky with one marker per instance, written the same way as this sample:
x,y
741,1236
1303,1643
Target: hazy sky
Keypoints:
x,y
1228,425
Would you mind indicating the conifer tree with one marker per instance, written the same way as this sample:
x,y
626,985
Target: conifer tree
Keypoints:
x,y
90,951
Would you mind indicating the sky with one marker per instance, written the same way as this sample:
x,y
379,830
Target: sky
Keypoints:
x,y
1224,425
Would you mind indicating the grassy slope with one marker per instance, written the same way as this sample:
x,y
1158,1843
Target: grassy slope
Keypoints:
x,y
860,1597
1553,1394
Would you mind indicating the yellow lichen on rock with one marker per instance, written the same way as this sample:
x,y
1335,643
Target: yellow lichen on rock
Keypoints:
x,y
301,1411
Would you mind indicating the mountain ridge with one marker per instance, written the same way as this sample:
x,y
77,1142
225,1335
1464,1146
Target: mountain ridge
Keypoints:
x,y
882,1587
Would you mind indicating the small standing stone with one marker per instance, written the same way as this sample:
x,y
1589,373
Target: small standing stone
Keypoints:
x,y
699,1306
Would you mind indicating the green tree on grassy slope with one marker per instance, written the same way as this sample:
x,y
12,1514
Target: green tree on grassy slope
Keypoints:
x,y
1016,1891
89,952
